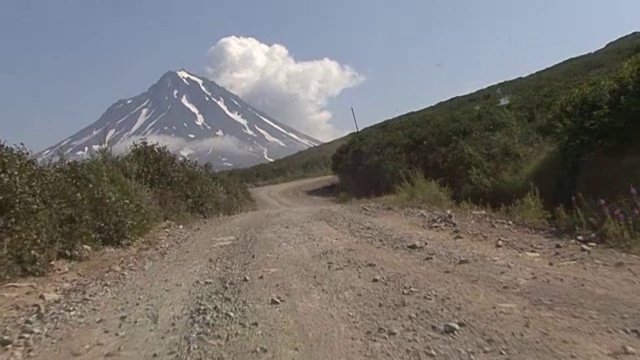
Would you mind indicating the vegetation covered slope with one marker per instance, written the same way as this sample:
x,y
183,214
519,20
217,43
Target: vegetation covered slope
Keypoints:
x,y
54,210
315,161
561,129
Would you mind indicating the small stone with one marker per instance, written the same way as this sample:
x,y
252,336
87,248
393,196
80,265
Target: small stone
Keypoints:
x,y
261,349
532,254
431,353
49,297
409,291
451,328
559,246
376,279
20,285
585,248
28,330
463,261
392,332
275,301
499,243
628,350
5,341
246,279
208,281
415,245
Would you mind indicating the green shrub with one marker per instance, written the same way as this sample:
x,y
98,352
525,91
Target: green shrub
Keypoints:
x,y
26,229
528,209
54,209
419,190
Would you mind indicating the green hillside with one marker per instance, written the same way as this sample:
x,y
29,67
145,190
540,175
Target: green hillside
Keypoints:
x,y
521,134
312,162
489,146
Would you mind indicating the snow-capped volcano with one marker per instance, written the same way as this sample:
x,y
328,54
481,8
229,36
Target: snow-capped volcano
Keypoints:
x,y
196,118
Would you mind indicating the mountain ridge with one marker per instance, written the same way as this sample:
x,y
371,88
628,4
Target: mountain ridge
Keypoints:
x,y
196,118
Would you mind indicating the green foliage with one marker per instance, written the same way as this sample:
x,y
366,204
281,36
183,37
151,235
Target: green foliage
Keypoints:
x,y
309,163
614,222
570,129
52,210
420,190
488,146
529,209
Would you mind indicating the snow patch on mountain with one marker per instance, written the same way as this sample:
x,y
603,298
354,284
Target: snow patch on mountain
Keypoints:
x,y
195,118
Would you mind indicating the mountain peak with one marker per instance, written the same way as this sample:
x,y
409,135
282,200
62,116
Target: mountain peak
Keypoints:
x,y
196,118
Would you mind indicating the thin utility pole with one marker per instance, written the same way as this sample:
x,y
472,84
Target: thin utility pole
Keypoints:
x,y
354,120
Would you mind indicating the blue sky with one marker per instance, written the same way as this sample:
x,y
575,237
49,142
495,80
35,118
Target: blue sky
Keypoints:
x,y
64,62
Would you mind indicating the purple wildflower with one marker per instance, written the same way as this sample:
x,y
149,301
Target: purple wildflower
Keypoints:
x,y
636,212
619,215
633,191
602,202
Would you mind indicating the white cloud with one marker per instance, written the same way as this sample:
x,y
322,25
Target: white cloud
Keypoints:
x,y
269,78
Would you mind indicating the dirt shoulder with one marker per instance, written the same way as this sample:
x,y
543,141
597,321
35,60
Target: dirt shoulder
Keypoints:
x,y
305,278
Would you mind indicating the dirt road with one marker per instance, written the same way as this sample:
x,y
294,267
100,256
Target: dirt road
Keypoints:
x,y
305,278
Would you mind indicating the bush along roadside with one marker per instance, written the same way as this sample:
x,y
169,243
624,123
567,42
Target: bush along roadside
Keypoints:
x,y
51,210
615,223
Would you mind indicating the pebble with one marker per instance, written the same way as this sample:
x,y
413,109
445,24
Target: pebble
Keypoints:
x,y
261,349
245,279
5,341
628,350
585,248
409,291
431,353
415,245
451,328
376,279
463,261
499,243
48,297
275,301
